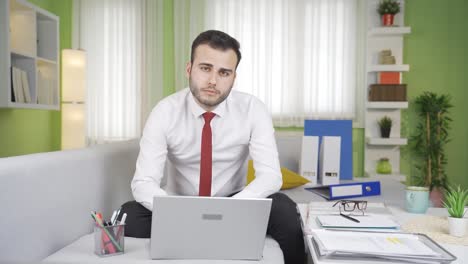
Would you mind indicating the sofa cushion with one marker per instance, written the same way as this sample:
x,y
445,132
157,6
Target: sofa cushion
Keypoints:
x,y
290,178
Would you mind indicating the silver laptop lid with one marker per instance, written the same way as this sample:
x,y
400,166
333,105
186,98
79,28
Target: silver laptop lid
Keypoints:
x,y
188,227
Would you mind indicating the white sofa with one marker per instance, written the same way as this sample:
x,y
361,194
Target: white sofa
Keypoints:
x,y
46,197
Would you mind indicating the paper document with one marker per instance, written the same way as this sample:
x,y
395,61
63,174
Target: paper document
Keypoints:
x,y
395,244
365,221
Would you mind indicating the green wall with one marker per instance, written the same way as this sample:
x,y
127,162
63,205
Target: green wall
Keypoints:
x,y
435,50
24,131
168,56
437,53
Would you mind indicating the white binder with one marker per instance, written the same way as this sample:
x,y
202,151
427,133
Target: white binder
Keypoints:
x,y
329,160
308,165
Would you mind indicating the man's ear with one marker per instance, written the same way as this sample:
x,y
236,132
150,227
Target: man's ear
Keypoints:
x,y
188,69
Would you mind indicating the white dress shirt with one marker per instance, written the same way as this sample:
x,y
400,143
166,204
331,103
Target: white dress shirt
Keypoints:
x,y
242,126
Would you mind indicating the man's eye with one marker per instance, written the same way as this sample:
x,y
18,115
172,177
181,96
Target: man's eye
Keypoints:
x,y
204,68
224,74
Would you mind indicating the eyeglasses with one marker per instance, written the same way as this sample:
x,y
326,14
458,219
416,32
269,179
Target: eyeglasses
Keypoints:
x,y
350,206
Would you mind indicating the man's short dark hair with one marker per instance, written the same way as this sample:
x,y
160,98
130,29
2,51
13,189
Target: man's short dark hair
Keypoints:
x,y
217,40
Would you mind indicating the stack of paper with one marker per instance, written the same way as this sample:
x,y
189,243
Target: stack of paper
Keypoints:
x,y
369,221
324,215
390,246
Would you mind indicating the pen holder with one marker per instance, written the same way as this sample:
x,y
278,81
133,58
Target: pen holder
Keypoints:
x,y
109,240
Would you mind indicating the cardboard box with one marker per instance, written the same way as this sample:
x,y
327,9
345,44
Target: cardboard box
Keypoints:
x,y
387,92
389,77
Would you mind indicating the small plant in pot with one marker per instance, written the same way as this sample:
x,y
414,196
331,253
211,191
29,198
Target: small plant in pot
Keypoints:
x,y
388,9
455,201
385,124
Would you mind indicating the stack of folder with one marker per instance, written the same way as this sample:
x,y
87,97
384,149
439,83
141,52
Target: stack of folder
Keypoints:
x,y
369,221
378,247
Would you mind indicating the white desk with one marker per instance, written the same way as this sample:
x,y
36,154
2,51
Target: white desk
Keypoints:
x,y
461,252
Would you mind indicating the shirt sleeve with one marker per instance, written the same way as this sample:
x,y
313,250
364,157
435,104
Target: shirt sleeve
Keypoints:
x,y
263,151
151,160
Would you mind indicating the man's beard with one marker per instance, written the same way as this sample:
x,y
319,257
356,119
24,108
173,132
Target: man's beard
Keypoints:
x,y
207,102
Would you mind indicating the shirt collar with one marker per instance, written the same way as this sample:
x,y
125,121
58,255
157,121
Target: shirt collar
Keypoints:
x,y
197,110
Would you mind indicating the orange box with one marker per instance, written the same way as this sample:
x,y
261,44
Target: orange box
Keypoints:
x,y
389,78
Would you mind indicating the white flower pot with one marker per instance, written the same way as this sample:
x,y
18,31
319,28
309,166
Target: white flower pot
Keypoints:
x,y
457,226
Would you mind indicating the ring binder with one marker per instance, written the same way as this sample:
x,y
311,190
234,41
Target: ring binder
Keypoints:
x,y
347,190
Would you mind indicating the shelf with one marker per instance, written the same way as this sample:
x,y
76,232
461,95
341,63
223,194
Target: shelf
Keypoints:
x,y
389,31
393,176
386,141
387,105
34,106
41,61
31,46
389,68
22,54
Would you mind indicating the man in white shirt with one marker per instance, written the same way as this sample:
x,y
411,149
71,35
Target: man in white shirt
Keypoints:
x,y
208,132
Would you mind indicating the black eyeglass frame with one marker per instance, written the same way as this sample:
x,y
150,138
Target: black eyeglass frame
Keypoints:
x,y
350,206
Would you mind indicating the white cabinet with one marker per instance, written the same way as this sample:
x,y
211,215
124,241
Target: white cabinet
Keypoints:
x,y
29,56
383,38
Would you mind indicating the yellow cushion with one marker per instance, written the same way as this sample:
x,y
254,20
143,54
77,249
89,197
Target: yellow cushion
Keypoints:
x,y
290,178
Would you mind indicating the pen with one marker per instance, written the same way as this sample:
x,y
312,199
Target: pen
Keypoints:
x,y
124,217
350,218
113,217
106,233
116,216
122,222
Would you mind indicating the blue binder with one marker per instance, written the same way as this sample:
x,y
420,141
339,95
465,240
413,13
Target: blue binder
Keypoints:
x,y
347,190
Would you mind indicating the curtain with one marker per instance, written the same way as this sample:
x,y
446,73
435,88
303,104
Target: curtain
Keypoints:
x,y
112,33
299,57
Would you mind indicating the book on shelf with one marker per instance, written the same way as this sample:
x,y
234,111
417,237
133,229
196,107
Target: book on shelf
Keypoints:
x,y
13,98
17,85
26,89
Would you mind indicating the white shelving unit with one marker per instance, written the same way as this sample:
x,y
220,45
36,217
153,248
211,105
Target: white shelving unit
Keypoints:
x,y
386,141
388,68
387,105
382,38
387,31
29,42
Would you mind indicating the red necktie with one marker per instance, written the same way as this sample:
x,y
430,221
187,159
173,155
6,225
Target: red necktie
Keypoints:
x,y
205,160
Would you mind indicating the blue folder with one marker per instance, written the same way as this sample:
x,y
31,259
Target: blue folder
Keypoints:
x,y
347,190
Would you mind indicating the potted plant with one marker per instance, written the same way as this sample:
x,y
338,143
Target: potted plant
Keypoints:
x,y
384,166
385,124
427,143
455,201
387,9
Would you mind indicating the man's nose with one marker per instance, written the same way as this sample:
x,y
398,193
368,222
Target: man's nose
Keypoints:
x,y
213,77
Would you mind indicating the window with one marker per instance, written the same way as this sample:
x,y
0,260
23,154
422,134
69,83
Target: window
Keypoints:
x,y
299,57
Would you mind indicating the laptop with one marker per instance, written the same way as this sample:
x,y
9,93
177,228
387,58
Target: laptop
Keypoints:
x,y
192,227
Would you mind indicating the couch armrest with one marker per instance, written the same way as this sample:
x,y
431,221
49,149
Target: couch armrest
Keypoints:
x,y
47,197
